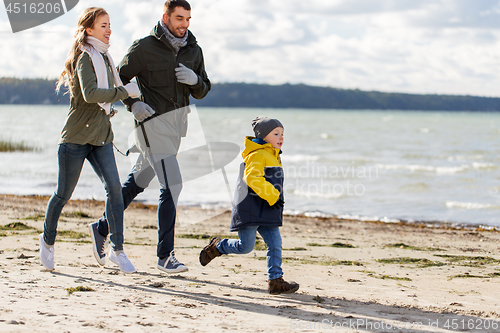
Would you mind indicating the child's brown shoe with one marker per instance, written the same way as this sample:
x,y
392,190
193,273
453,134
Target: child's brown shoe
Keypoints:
x,y
280,286
210,251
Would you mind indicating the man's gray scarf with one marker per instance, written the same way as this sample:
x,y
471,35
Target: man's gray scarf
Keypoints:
x,y
176,42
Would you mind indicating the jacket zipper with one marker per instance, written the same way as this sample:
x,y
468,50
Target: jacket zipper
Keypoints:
x,y
261,210
176,57
181,50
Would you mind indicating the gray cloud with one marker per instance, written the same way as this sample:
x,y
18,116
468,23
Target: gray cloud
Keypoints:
x,y
424,46
348,7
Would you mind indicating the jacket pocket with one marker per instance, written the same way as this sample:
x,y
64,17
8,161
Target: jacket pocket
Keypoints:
x,y
158,74
191,64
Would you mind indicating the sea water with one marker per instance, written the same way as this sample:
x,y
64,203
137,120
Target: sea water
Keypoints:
x,y
384,165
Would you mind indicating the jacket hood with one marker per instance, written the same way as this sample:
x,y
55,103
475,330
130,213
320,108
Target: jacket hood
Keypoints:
x,y
251,146
158,33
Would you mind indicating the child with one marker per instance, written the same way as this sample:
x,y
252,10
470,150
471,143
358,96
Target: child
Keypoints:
x,y
93,85
258,203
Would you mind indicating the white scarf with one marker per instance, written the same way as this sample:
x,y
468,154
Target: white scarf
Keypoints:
x,y
94,51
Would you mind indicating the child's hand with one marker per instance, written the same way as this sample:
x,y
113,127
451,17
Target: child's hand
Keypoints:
x,y
279,204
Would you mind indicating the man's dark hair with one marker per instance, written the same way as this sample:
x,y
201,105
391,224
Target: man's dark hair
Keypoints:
x,y
170,5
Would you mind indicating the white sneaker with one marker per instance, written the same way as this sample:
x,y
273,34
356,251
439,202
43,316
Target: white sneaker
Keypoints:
x,y
46,254
121,259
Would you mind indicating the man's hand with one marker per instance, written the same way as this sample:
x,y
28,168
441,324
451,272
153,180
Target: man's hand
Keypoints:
x,y
186,75
141,111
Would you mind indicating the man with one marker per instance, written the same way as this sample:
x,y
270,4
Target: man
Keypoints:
x,y
169,68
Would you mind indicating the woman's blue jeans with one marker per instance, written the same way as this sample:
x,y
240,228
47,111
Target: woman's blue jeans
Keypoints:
x,y
71,158
246,243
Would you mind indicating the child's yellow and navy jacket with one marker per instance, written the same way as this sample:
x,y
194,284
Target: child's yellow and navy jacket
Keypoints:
x,y
259,186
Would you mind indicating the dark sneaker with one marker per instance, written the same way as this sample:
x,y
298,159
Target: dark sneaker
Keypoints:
x,y
280,286
171,265
210,251
98,244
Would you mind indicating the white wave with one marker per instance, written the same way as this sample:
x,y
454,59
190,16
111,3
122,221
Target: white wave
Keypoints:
x,y
320,214
212,205
465,158
451,170
426,168
300,158
477,165
410,167
368,218
316,194
308,213
470,205
317,214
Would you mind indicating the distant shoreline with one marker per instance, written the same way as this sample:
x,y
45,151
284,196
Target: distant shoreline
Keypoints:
x,y
286,96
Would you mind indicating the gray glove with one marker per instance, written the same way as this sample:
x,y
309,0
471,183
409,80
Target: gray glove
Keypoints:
x,y
141,111
186,75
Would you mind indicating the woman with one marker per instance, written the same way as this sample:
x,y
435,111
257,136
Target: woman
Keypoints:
x,y
93,84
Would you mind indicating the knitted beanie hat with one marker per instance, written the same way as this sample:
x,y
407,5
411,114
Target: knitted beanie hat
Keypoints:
x,y
262,126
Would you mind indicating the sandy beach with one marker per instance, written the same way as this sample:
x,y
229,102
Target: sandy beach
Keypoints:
x,y
354,277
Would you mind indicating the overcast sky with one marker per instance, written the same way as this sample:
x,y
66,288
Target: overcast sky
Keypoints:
x,y
415,46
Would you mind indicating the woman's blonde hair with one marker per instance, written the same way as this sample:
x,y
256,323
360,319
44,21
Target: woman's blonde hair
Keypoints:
x,y
87,20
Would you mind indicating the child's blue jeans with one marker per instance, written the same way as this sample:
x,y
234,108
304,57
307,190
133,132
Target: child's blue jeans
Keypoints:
x,y
246,243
